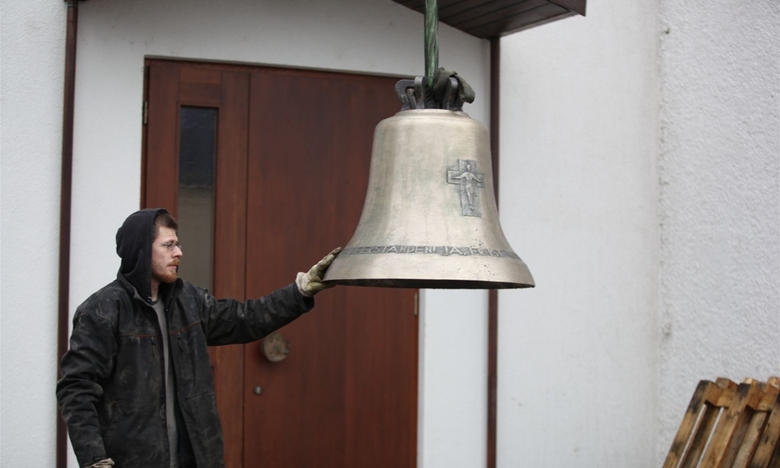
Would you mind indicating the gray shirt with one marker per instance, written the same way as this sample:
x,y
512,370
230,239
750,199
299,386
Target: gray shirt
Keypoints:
x,y
170,392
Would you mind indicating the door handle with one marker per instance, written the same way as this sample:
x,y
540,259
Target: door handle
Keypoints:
x,y
276,347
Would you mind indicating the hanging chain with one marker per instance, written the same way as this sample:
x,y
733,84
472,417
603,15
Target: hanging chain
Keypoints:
x,y
439,88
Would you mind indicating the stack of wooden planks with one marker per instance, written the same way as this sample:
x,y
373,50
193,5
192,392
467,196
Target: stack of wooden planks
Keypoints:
x,y
729,425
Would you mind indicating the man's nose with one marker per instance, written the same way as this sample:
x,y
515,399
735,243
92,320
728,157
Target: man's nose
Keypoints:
x,y
177,252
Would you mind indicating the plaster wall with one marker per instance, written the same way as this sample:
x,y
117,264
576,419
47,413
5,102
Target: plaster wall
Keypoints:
x,y
578,361
641,183
30,141
719,173
363,36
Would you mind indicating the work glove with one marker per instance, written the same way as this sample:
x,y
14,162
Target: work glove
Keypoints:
x,y
107,463
310,283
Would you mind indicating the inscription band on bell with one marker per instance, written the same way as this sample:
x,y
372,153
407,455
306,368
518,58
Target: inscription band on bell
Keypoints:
x,y
443,250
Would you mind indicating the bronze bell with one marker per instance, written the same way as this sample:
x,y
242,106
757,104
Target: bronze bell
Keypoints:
x,y
429,218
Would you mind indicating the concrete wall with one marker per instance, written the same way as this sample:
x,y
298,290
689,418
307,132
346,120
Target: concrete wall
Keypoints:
x,y
719,172
31,94
640,181
578,361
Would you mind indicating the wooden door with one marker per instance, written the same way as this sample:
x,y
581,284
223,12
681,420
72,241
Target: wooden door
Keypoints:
x,y
292,153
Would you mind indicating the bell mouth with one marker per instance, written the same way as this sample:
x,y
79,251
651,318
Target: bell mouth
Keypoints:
x,y
427,283
415,269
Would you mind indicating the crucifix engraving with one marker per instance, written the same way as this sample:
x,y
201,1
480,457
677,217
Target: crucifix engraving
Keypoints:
x,y
468,180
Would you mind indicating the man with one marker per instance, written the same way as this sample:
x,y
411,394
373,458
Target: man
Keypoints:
x,y
137,388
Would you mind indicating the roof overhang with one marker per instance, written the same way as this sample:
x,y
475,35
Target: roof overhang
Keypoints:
x,y
487,19
495,18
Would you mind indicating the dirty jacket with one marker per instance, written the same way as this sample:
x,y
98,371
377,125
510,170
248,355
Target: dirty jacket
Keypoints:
x,y
112,389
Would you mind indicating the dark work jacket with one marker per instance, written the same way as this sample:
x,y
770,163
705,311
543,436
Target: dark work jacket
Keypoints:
x,y
112,393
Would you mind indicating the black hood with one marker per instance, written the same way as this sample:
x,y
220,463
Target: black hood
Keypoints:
x,y
134,245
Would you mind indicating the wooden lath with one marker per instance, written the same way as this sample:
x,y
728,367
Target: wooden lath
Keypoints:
x,y
729,426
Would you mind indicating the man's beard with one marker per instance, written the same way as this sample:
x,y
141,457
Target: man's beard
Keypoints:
x,y
167,276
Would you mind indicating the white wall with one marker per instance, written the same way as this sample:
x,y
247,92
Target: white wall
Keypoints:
x,y
368,36
453,380
33,51
720,197
578,360
641,183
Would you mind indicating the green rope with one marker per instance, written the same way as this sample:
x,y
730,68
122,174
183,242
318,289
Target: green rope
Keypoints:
x,y
431,40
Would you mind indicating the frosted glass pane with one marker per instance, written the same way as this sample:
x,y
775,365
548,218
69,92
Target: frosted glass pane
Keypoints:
x,y
197,155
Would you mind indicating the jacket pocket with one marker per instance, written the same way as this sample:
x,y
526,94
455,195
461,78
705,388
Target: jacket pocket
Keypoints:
x,y
191,362
136,435
138,372
204,428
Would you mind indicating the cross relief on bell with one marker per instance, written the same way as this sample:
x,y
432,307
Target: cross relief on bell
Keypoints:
x,y
468,181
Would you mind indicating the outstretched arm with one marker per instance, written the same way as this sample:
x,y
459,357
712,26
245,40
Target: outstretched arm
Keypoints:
x,y
227,321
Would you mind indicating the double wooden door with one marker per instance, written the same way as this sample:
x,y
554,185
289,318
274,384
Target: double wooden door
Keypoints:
x,y
278,178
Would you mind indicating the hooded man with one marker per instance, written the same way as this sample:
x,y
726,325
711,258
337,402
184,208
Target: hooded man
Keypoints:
x,y
137,387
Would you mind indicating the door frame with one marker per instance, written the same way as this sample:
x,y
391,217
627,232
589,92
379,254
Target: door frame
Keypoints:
x,y
228,362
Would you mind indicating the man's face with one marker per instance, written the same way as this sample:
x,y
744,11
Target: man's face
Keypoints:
x,y
165,256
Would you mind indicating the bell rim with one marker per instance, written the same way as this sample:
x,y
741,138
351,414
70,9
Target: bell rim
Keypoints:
x,y
427,283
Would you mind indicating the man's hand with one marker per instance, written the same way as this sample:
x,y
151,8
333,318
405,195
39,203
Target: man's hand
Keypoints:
x,y
310,283
107,463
